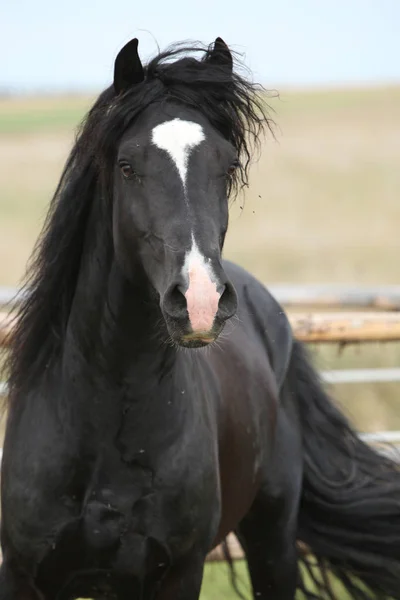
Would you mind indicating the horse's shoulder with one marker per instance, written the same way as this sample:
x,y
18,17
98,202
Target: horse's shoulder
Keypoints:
x,y
267,316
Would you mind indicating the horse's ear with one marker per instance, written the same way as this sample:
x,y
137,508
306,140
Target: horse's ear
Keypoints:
x,y
221,55
128,68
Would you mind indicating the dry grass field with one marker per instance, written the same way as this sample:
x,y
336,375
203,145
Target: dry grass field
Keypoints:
x,y
323,206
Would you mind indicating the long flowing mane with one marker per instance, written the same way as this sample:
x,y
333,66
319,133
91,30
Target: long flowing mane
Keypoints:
x,y
231,103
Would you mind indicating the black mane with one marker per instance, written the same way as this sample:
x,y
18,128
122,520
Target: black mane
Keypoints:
x,y
230,102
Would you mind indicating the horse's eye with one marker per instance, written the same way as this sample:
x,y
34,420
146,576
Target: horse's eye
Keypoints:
x,y
233,168
126,170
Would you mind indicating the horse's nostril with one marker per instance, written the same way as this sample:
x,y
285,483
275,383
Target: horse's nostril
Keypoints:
x,y
228,302
221,290
200,307
177,296
175,301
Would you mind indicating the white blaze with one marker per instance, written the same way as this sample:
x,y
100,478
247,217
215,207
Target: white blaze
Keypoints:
x,y
201,295
177,138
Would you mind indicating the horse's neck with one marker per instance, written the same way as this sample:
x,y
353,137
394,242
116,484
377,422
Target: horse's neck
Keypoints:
x,y
116,331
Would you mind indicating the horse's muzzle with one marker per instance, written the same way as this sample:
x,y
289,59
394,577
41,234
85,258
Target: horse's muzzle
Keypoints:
x,y
196,321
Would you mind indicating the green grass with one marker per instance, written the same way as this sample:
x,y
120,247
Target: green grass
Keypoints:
x,y
217,584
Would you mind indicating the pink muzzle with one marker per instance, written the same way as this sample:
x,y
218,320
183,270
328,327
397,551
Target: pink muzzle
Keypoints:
x,y
202,298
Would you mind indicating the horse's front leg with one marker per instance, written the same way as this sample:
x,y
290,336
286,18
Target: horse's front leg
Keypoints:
x,y
14,585
183,581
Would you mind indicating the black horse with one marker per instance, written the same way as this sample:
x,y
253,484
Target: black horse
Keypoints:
x,y
129,453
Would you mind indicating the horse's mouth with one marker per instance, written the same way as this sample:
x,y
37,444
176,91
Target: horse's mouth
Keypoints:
x,y
197,339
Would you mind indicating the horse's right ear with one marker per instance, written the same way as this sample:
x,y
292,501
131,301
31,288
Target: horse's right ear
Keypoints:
x,y
221,55
128,69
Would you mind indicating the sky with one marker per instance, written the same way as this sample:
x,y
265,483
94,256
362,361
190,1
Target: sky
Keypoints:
x,y
70,45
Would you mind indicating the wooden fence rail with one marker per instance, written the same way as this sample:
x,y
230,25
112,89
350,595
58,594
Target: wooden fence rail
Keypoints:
x,y
348,327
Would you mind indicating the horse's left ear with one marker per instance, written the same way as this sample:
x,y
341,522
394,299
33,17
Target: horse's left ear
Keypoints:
x,y
128,68
221,55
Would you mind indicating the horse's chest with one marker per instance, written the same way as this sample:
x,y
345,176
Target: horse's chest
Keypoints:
x,y
118,502
147,496
141,497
